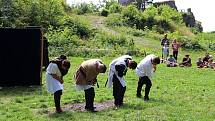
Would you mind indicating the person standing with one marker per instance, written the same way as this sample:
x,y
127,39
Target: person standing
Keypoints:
x,y
86,78
163,42
145,70
165,52
118,68
175,48
54,79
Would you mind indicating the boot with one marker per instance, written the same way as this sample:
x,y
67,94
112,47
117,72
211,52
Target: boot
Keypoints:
x,y
139,88
89,97
57,103
146,97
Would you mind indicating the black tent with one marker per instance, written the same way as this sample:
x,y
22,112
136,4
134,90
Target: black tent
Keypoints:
x,y
21,56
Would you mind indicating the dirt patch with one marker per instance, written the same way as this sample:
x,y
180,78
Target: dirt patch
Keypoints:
x,y
80,106
76,107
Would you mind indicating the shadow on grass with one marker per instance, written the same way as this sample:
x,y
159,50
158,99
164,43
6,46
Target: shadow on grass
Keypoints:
x,y
22,91
140,104
61,116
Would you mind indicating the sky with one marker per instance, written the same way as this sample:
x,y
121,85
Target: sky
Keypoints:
x,y
202,10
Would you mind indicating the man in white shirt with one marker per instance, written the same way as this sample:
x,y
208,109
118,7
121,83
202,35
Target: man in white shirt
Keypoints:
x,y
54,79
118,68
145,70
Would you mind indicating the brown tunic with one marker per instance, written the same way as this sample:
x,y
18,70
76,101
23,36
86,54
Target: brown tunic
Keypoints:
x,y
87,72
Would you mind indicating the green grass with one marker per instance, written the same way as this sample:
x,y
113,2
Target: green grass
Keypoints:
x,y
177,94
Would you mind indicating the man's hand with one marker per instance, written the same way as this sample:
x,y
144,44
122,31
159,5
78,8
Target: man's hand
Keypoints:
x,y
154,67
57,78
61,81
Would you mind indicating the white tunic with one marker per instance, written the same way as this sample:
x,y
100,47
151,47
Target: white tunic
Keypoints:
x,y
112,71
145,67
52,84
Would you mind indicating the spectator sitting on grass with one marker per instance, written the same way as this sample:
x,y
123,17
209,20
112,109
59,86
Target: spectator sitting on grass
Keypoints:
x,y
211,64
171,62
200,63
206,58
186,62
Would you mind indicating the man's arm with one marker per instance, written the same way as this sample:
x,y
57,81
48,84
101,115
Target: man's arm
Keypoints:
x,y
120,69
57,78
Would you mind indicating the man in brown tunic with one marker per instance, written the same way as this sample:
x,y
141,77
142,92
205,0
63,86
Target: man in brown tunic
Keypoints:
x,y
86,78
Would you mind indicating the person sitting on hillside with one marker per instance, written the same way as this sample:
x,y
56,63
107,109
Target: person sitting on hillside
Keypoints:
x,y
200,63
171,62
206,58
211,64
186,62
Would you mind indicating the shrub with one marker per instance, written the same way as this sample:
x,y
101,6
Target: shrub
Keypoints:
x,y
77,25
114,20
115,8
131,15
104,12
84,8
190,44
162,25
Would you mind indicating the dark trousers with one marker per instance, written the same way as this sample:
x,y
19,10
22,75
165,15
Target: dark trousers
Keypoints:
x,y
89,97
57,97
144,80
118,91
175,55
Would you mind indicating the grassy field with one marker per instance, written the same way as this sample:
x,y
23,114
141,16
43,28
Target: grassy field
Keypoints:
x,y
177,94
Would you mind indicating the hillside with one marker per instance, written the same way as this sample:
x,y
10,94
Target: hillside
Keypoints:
x,y
177,94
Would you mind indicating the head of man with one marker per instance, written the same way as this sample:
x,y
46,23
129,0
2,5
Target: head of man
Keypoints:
x,y
156,60
132,64
165,35
199,59
187,56
102,68
65,64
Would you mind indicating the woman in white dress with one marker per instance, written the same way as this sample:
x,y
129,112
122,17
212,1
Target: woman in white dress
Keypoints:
x,y
54,79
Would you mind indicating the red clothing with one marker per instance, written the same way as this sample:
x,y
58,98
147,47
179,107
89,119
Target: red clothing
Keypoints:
x,y
175,46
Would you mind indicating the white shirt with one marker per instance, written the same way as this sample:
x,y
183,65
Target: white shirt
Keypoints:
x,y
145,67
165,50
112,71
52,84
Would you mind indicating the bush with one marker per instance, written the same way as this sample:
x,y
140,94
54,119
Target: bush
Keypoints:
x,y
211,46
104,12
79,26
115,8
114,20
190,44
84,8
131,16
